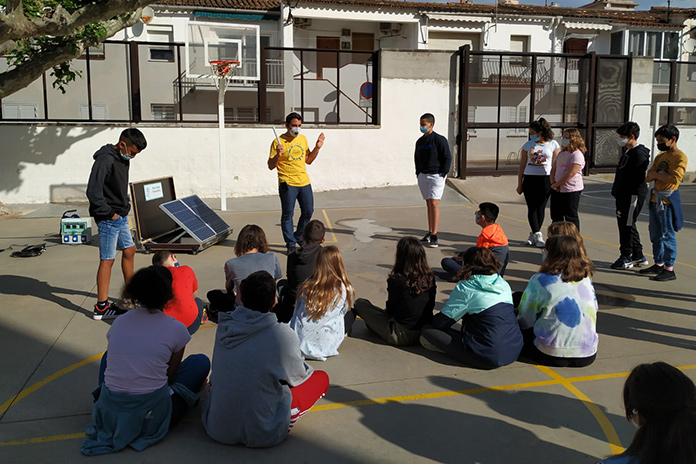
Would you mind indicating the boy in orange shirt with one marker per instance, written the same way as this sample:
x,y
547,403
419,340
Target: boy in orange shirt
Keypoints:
x,y
492,237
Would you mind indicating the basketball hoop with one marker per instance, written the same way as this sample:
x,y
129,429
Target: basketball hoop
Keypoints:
x,y
222,69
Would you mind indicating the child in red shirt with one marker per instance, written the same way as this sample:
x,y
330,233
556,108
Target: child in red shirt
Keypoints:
x,y
184,306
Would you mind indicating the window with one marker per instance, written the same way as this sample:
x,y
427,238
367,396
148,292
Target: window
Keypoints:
x,y
99,112
164,35
616,47
659,45
635,43
653,44
12,110
519,43
163,111
671,49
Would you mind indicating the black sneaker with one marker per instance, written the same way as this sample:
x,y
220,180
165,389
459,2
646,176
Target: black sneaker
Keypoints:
x,y
622,263
654,269
665,275
432,242
109,311
425,240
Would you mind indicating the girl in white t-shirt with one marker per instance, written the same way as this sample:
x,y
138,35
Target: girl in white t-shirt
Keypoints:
x,y
322,304
533,176
566,178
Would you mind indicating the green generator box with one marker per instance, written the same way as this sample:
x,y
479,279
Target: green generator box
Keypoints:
x,y
76,231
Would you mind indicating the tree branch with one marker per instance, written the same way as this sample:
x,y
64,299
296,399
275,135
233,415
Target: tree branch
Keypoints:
x,y
27,72
15,25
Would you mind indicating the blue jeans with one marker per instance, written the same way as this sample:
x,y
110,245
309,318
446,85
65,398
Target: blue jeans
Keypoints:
x,y
662,234
113,234
288,196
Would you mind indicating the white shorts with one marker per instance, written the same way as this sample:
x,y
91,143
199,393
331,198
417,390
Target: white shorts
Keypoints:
x,y
431,186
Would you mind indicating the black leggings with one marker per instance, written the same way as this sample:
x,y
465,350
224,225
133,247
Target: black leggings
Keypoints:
x,y
532,352
537,190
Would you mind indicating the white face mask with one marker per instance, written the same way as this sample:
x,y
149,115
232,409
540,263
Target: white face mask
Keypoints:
x,y
635,424
564,142
295,131
621,141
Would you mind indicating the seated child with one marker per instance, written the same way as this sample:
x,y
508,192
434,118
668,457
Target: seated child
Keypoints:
x,y
482,299
185,307
260,385
252,254
320,318
492,237
661,402
411,292
144,387
567,228
300,267
558,310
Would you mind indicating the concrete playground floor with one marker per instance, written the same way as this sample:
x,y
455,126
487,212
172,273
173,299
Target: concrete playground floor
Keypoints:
x,y
385,404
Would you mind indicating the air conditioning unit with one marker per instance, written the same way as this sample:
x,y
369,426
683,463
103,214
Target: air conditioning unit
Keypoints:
x,y
390,28
302,22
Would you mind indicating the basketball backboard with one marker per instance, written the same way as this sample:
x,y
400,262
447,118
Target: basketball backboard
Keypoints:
x,y
206,42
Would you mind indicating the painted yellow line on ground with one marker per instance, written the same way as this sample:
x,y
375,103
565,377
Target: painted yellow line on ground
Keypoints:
x,y
602,419
28,441
427,396
556,380
329,226
28,391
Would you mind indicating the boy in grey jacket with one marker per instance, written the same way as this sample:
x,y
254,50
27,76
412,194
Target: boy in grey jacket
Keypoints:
x,y
260,384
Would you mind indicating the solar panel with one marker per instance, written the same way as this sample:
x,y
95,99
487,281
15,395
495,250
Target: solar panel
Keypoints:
x,y
196,218
206,214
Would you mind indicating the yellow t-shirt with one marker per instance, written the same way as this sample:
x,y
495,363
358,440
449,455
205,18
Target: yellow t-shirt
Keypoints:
x,y
673,164
292,166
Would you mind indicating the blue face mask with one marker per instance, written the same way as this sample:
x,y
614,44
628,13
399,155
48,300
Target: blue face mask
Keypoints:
x,y
177,264
424,129
534,138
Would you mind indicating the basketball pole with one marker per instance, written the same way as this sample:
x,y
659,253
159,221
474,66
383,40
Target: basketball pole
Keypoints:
x,y
221,124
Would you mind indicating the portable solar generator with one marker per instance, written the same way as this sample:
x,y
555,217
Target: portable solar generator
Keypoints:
x,y
163,222
75,230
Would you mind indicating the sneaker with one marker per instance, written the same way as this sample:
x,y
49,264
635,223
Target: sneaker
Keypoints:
x,y
428,346
425,240
110,311
654,269
640,262
622,263
530,241
539,240
432,242
665,275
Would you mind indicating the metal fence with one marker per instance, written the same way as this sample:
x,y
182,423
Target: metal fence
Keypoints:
x,y
131,82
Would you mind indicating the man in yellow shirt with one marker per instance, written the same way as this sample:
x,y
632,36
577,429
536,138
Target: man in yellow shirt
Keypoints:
x,y
291,157
666,217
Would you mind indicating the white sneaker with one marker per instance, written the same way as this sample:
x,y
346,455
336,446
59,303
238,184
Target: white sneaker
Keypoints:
x,y
539,240
530,241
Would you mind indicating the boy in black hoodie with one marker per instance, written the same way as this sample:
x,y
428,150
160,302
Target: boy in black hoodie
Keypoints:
x,y
630,190
107,191
300,267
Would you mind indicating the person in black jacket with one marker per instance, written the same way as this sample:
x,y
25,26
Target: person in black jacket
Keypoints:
x,y
411,291
300,266
107,191
433,161
630,190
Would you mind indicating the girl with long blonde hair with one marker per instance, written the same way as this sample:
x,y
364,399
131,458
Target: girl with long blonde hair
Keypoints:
x,y
566,178
323,301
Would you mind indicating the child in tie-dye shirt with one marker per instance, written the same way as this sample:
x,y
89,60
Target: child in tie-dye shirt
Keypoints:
x,y
558,311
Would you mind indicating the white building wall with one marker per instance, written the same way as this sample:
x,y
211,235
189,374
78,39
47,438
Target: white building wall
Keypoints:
x,y
52,163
